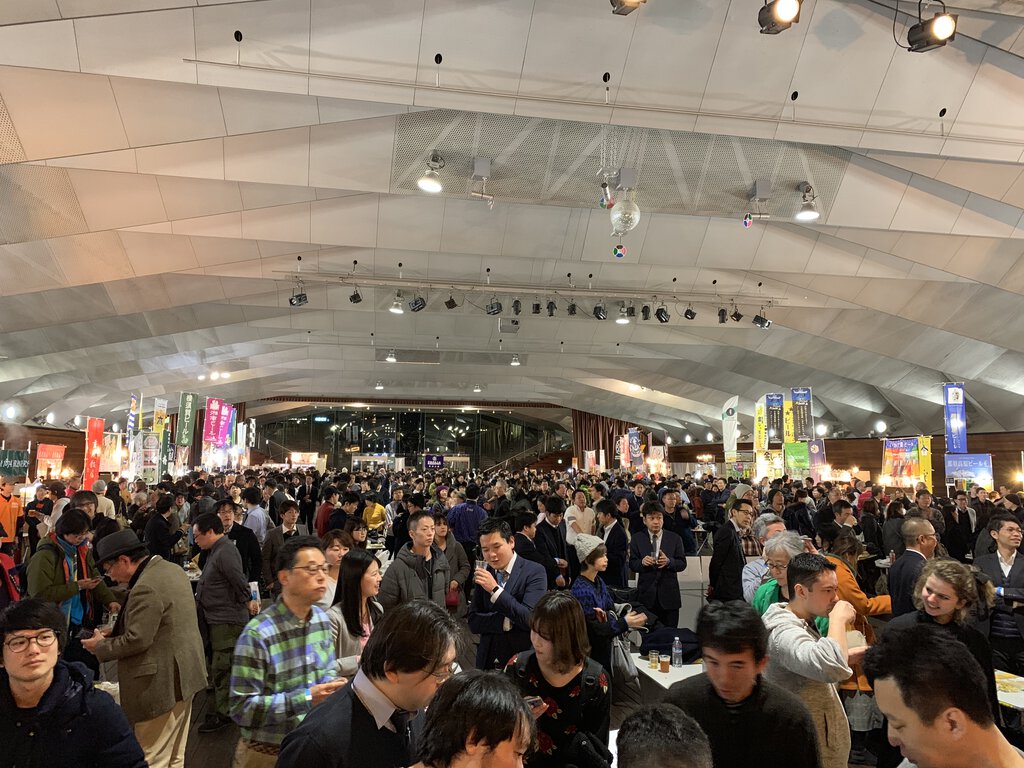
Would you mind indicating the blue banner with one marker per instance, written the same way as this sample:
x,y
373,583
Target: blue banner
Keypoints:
x,y
969,468
955,417
433,461
636,454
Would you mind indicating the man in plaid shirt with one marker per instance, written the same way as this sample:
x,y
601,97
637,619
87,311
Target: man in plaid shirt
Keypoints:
x,y
284,662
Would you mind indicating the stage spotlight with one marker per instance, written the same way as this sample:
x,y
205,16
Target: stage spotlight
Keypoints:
x,y
298,299
736,314
515,360
931,34
517,306
451,303
392,357
761,321
552,306
662,314
600,312
645,312
631,311
396,307
379,386
430,181
689,314
417,304
808,208
571,309
623,318
535,309
723,316
356,297
625,7
778,15
494,308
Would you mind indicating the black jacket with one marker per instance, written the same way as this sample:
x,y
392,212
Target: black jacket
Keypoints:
x,y
658,588
618,556
74,726
550,543
725,572
902,578
798,518
527,549
248,548
160,539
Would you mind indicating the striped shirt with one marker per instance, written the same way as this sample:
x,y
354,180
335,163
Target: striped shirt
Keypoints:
x,y
278,659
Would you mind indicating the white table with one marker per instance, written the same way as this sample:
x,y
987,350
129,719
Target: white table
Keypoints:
x,y
884,563
1009,690
674,674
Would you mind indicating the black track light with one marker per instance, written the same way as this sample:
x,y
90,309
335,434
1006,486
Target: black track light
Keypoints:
x,y
689,314
723,316
571,309
298,299
761,321
932,34
736,314
778,15
662,314
535,309
600,312
356,297
517,306
417,304
645,312
552,306
451,303
631,310
494,308
625,7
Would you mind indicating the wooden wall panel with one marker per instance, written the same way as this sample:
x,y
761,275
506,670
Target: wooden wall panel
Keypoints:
x,y
17,437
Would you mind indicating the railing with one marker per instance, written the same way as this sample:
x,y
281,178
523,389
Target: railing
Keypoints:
x,y
528,456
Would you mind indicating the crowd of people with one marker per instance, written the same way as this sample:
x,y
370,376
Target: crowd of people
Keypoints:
x,y
326,614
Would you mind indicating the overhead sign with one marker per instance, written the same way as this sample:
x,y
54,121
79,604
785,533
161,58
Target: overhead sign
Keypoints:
x,y
431,461
186,418
955,415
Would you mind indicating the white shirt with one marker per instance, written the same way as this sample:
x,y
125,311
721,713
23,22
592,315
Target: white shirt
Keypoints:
x,y
607,530
1005,566
583,518
506,625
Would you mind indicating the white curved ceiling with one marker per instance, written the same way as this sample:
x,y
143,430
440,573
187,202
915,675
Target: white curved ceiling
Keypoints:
x,y
160,181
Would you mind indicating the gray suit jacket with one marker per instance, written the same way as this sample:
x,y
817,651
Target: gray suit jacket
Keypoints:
x,y
159,652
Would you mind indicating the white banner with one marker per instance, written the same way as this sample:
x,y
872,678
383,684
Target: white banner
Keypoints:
x,y
730,424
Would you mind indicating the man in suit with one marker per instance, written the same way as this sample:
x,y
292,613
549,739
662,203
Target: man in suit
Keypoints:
x,y
156,642
276,537
920,539
525,525
306,495
725,572
609,520
657,556
504,595
1006,621
551,543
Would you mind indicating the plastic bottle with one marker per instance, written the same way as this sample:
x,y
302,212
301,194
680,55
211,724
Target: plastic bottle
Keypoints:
x,y
677,652
892,555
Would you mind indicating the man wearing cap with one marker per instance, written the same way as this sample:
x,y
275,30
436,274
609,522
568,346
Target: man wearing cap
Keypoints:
x,y
156,643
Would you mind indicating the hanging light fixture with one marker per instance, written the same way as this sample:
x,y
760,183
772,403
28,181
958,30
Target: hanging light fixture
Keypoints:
x,y
623,318
515,360
396,307
391,358
778,15
430,181
477,388
379,386
808,208
931,34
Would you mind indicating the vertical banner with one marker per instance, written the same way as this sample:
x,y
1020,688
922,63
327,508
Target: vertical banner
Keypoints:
x,y
159,415
134,406
797,459
924,453
955,417
760,426
730,425
93,452
774,403
907,461
600,459
788,433
589,461
111,458
636,453
186,419
211,419
240,437
252,433
816,451
224,425
802,414
164,453
623,443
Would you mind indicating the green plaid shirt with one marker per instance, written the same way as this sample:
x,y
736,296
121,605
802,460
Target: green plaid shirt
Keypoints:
x,y
278,658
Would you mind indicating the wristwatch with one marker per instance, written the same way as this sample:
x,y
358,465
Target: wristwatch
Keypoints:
x,y
495,590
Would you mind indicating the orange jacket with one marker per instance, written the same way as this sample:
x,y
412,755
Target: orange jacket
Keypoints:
x,y
850,591
10,512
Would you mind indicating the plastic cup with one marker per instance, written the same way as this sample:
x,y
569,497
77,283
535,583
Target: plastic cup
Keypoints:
x,y
665,663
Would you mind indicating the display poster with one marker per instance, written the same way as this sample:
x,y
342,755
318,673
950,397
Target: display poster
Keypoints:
x,y
14,464
955,415
907,461
589,461
93,451
730,424
636,452
211,420
150,456
760,425
816,452
49,460
797,459
802,414
186,419
963,469
111,458
433,461
774,405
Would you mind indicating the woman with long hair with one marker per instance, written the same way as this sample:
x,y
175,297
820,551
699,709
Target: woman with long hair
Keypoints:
x,y
336,545
355,611
358,530
576,702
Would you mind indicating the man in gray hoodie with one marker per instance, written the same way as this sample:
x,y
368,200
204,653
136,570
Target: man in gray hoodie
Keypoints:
x,y
803,662
420,569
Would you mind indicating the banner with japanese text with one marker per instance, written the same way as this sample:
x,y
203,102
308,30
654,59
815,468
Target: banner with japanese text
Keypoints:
x,y
49,460
802,414
186,419
965,468
636,450
13,464
760,426
816,450
730,424
211,420
955,416
224,425
774,406
112,457
797,459
907,461
93,451
134,408
159,415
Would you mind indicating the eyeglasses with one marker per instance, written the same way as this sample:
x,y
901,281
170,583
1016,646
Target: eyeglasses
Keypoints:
x,y
776,566
44,639
312,570
445,674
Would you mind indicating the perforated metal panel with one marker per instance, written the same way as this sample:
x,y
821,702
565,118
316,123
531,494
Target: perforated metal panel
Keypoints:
x,y
555,161
37,202
11,150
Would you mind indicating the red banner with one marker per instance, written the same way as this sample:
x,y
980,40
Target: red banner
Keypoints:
x,y
93,452
211,420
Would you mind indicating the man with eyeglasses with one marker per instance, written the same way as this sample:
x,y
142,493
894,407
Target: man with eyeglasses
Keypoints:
x,y
377,720
224,604
1005,624
284,661
50,713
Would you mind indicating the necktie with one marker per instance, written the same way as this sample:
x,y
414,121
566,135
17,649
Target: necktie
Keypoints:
x,y
654,547
501,578
403,728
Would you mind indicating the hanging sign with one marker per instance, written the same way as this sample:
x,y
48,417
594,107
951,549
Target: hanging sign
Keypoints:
x,y
802,416
730,424
93,452
186,418
955,418
211,420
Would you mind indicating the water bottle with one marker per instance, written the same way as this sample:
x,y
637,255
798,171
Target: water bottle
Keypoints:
x,y
677,652
892,555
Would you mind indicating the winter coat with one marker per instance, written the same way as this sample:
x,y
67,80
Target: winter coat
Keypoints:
x,y
48,580
459,569
74,726
850,591
804,663
406,578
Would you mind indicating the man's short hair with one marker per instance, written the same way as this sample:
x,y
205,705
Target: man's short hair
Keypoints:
x,y
554,505
83,497
472,491
662,736
289,553
225,504
415,517
72,523
478,707
762,521
998,520
330,491
414,637
209,521
922,492
30,615
252,496
494,525
839,506
732,627
607,507
350,497
286,506
931,672
652,508
915,527
523,520
805,568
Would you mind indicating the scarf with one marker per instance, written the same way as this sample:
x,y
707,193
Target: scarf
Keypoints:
x,y
74,562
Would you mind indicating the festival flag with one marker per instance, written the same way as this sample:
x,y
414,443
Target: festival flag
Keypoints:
x,y
955,418
730,424
93,451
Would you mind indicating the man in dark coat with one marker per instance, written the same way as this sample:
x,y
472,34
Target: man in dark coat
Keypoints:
x,y
657,556
725,572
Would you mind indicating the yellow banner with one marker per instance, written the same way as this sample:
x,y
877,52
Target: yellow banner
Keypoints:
x,y
787,421
760,426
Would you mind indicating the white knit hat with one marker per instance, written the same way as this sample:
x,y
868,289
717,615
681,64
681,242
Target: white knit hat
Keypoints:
x,y
585,544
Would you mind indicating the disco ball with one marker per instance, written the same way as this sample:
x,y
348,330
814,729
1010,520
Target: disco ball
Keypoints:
x,y
625,215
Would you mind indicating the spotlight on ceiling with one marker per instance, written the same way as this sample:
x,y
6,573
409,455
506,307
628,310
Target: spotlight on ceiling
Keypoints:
x,y
778,15
723,316
662,314
396,307
77,421
51,417
552,307
761,321
417,304
356,297
379,386
625,7
600,312
689,314
298,298
430,181
931,34
645,312
571,309
710,436
535,308
623,318
392,357
494,308
881,426
736,314
688,438
517,306
821,430
451,303
515,360
477,388
808,208
631,311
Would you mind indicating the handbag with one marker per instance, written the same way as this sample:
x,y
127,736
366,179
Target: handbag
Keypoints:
x,y
623,667
451,598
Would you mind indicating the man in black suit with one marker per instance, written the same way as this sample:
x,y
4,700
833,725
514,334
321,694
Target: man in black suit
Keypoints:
x,y
920,539
377,719
306,494
550,542
616,542
725,572
657,556
525,525
505,593
1005,567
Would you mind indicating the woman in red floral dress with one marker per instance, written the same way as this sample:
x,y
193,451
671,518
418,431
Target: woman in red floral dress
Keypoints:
x,y
574,708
